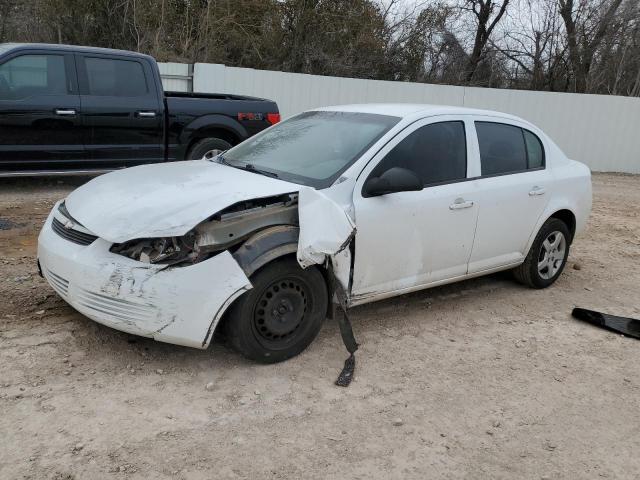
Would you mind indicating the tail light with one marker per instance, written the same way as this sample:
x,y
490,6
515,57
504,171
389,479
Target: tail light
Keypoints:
x,y
273,118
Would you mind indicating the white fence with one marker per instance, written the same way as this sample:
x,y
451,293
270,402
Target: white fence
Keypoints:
x,y
177,77
601,131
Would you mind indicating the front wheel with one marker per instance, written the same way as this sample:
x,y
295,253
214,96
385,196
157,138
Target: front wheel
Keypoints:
x,y
281,315
547,257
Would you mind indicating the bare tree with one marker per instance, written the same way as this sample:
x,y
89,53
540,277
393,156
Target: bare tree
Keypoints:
x,y
488,14
586,27
532,43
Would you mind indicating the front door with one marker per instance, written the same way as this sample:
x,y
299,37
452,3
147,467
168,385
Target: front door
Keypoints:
x,y
409,239
39,112
122,112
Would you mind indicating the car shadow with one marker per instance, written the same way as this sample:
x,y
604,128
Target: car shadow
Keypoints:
x,y
221,354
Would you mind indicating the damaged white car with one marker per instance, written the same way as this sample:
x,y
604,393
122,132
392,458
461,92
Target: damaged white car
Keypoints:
x,y
345,204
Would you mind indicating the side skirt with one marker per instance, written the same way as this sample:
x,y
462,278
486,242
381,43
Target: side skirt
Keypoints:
x,y
368,297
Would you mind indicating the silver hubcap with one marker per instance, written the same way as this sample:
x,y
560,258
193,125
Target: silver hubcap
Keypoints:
x,y
551,255
211,153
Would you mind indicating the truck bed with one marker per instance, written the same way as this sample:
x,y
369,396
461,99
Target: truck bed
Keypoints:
x,y
213,96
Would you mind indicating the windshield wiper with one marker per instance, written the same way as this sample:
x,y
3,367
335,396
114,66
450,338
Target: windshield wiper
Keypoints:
x,y
247,166
252,168
220,159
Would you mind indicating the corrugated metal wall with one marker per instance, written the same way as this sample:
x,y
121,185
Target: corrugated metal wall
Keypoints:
x,y
601,131
176,77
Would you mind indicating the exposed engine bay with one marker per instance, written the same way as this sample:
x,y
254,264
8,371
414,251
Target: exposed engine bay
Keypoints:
x,y
222,231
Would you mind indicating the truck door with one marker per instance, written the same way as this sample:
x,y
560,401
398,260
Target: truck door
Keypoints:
x,y
122,110
39,111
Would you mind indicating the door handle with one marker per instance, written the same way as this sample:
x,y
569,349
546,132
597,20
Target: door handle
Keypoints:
x,y
460,203
65,112
146,114
535,191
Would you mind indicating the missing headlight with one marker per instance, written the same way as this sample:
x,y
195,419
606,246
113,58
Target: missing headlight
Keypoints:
x,y
165,251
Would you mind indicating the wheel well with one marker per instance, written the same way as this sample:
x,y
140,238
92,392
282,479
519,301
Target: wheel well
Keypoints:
x,y
221,133
281,256
323,271
568,218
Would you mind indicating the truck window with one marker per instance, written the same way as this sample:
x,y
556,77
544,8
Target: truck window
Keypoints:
x,y
29,75
115,78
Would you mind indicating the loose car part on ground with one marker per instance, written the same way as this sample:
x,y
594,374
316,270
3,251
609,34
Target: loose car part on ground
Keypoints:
x,y
624,325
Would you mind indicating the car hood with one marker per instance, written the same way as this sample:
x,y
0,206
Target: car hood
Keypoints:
x,y
165,200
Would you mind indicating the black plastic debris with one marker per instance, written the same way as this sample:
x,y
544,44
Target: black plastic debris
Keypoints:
x,y
346,332
346,375
624,325
349,340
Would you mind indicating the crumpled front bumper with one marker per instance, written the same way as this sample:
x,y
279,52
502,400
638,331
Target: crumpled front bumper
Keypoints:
x,y
180,305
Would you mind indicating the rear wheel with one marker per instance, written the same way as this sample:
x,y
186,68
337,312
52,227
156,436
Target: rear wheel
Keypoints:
x,y
281,315
207,148
547,257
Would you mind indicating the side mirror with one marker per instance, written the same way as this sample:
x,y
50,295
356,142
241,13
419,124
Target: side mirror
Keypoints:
x,y
394,180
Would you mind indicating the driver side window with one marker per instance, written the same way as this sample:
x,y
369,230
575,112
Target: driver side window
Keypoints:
x,y
28,75
436,153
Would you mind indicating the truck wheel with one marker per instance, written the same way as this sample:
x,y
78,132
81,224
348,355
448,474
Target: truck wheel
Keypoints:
x,y
207,148
281,315
547,257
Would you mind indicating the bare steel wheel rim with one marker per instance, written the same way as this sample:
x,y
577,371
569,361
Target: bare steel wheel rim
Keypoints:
x,y
551,255
280,312
209,154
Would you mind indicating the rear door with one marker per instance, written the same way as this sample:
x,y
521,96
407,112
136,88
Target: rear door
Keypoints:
x,y
39,111
122,111
512,191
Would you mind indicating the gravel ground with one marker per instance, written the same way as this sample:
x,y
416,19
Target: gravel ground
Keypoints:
x,y
481,379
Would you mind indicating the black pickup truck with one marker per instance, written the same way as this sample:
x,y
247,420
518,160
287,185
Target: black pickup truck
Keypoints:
x,y
67,109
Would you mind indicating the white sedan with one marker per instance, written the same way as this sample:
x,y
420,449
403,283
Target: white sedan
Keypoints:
x,y
355,203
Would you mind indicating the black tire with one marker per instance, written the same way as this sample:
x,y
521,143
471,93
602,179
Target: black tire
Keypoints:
x,y
201,147
281,315
528,273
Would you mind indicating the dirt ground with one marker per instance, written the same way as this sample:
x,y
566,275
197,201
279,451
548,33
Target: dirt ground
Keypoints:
x,y
481,379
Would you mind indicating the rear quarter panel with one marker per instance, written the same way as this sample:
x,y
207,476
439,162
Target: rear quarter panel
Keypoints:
x,y
571,190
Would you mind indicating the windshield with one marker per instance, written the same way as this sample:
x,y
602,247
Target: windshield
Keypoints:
x,y
312,148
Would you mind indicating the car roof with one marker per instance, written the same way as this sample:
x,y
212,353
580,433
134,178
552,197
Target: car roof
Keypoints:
x,y
414,109
5,47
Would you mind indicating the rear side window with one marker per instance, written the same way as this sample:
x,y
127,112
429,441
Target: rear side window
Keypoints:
x,y
29,75
115,78
507,148
535,150
437,153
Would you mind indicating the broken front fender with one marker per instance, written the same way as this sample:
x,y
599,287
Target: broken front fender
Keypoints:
x,y
325,228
